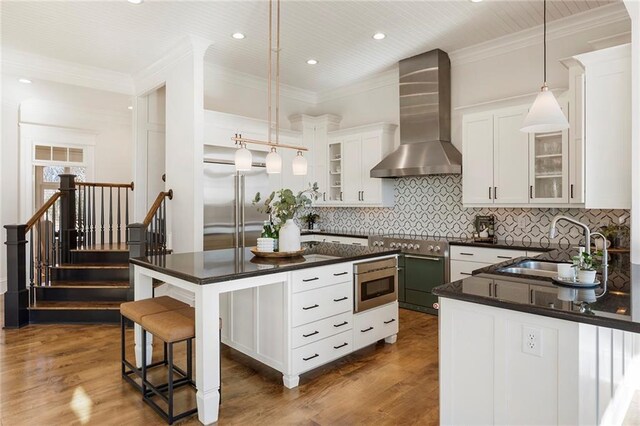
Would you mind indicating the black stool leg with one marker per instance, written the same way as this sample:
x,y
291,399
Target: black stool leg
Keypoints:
x,y
164,346
122,346
189,355
170,381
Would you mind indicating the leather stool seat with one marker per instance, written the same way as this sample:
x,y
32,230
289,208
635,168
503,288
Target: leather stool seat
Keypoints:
x,y
171,326
138,309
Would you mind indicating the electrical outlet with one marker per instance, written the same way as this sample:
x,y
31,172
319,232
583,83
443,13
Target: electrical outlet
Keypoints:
x,y
532,341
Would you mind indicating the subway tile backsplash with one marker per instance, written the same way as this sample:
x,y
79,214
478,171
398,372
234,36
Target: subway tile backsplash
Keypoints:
x,y
432,205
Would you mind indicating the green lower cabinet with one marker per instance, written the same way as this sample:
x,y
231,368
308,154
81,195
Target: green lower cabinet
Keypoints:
x,y
401,292
420,301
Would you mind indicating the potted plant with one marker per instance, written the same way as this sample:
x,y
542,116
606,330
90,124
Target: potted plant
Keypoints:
x,y
282,206
615,233
310,219
585,265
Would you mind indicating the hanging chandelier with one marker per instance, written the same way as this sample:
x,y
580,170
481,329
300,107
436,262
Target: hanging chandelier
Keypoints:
x,y
545,114
243,158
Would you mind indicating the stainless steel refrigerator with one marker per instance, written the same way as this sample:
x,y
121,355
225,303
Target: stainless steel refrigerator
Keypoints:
x,y
230,219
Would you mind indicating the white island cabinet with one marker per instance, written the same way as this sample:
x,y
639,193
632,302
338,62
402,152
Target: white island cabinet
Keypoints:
x,y
305,322
499,366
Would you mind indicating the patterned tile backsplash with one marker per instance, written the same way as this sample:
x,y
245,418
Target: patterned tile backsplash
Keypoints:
x,y
432,205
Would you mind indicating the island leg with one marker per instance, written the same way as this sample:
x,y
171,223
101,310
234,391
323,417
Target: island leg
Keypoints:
x,y
290,382
391,339
143,289
207,304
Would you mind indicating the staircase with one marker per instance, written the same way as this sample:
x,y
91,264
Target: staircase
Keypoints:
x,y
70,262
88,289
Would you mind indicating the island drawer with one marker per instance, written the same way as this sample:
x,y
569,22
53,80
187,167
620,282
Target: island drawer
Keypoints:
x,y
318,330
313,305
484,255
375,324
308,279
315,354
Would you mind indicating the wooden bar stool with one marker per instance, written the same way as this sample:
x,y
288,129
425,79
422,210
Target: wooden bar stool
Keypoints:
x,y
171,327
135,311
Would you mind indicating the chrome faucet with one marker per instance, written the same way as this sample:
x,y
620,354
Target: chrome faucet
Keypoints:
x,y
553,232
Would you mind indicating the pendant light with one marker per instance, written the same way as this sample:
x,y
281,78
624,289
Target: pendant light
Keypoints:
x,y
243,158
274,162
545,114
299,165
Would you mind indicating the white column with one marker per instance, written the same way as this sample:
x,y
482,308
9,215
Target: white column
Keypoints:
x,y
143,289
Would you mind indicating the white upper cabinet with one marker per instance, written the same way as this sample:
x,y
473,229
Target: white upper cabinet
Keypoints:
x,y
607,127
495,155
352,169
477,158
511,157
588,165
549,166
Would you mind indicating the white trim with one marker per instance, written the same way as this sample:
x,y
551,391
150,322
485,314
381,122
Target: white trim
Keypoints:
x,y
601,16
226,75
37,67
610,41
80,114
383,79
389,128
3,285
31,135
522,97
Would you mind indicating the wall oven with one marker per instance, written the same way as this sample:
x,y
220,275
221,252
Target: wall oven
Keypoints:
x,y
376,283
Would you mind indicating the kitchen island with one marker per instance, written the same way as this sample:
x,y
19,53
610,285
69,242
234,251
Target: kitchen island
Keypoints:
x,y
519,349
293,315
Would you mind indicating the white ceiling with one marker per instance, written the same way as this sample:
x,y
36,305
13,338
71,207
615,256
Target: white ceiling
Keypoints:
x,y
123,37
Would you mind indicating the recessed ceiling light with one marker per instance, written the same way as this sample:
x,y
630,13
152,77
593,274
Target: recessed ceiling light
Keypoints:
x,y
379,36
312,61
24,80
237,36
129,107
135,1
475,1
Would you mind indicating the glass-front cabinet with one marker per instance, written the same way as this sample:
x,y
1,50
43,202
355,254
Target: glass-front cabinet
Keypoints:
x,y
549,167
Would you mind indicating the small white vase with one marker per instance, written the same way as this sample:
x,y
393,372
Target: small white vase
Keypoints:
x,y
289,237
586,276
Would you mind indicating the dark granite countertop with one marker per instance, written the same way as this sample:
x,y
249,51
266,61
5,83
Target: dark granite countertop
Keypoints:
x,y
542,246
231,264
540,296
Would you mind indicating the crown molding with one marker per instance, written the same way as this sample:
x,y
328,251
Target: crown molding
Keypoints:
x,y
32,107
37,67
250,81
153,76
383,79
606,15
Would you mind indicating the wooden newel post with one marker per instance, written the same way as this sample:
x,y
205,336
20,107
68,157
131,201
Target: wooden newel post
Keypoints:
x,y
68,230
16,299
137,241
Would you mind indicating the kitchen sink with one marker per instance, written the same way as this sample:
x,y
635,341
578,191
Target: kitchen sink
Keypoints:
x,y
533,267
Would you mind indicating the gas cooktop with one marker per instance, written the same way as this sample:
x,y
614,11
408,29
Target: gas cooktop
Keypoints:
x,y
432,245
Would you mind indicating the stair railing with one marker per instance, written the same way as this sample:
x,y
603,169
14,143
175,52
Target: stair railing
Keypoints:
x,y
102,212
53,232
149,238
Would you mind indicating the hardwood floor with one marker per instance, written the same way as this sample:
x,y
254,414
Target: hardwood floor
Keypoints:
x,y
70,374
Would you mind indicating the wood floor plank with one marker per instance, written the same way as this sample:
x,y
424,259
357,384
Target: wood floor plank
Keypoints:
x,y
46,370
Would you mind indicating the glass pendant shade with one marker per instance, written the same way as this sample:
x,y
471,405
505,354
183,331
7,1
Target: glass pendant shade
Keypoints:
x,y
274,162
299,164
545,114
243,159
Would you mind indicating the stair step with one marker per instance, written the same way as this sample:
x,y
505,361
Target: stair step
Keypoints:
x,y
92,266
115,247
86,284
76,306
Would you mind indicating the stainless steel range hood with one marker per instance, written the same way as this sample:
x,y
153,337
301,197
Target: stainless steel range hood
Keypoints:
x,y
425,120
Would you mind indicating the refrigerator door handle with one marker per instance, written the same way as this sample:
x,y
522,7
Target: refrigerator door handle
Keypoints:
x,y
242,217
236,210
